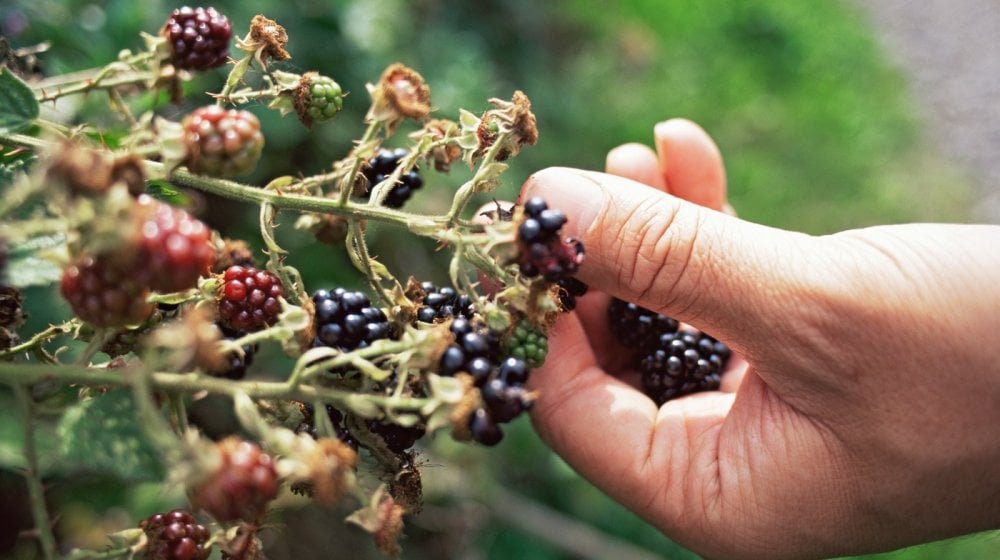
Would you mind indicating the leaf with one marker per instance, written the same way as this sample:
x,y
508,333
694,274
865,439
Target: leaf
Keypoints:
x,y
101,434
30,270
18,106
167,192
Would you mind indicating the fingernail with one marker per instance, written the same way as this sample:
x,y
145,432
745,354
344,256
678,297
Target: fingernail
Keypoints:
x,y
578,194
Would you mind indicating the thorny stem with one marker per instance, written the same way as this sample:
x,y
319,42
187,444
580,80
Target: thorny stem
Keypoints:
x,y
467,190
97,83
93,74
35,489
194,382
348,184
39,339
358,251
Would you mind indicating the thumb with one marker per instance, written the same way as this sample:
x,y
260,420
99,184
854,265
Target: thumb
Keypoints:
x,y
719,273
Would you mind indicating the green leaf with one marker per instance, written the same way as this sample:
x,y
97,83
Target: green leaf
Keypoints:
x,y
28,263
17,103
102,434
167,192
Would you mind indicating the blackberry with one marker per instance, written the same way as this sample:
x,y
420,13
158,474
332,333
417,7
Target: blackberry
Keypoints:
x,y
681,363
198,38
443,303
347,320
249,299
336,418
505,401
175,535
235,365
175,249
570,289
234,252
635,326
222,142
541,251
105,292
528,344
242,485
318,98
397,438
383,165
475,350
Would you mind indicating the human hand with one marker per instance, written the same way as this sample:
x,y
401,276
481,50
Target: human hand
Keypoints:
x,y
866,415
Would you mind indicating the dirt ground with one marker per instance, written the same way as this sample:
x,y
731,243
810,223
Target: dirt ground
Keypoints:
x,y
950,50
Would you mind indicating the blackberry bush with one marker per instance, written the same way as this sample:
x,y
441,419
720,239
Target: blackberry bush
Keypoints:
x,y
383,371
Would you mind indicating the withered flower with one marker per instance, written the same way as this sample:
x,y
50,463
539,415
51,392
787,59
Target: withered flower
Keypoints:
x,y
400,93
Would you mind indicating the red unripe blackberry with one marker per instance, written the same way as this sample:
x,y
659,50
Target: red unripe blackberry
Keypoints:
x,y
635,326
175,536
381,166
249,300
105,292
242,485
222,142
175,249
198,38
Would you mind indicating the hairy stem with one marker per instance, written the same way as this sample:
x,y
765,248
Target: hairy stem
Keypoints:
x,y
35,489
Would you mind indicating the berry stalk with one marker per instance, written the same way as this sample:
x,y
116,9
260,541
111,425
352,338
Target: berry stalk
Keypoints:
x,y
36,491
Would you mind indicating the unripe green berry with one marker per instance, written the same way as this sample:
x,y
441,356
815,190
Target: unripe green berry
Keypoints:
x,y
528,344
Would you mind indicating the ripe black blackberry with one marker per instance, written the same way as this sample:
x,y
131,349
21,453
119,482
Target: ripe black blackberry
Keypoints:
x,y
175,535
234,364
570,289
249,299
475,351
381,166
504,398
635,326
336,419
347,320
397,438
484,429
681,363
442,303
541,250
198,38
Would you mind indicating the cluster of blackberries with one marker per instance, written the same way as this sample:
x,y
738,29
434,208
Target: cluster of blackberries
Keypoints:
x,y
250,299
198,38
480,352
542,252
441,303
673,362
347,320
383,165
175,535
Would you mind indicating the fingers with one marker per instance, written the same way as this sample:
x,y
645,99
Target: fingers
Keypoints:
x,y
614,435
716,272
636,162
691,163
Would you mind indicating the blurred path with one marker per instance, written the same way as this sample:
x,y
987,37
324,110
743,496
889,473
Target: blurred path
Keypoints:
x,y
950,50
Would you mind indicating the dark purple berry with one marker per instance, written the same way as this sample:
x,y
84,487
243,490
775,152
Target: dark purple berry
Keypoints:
x,y
347,320
382,166
198,38
484,429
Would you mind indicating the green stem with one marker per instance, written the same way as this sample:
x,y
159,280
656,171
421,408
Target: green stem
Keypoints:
x,y
467,190
94,84
357,249
39,339
235,77
348,185
35,489
194,382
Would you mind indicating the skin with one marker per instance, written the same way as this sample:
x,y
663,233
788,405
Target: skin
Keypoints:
x,y
862,409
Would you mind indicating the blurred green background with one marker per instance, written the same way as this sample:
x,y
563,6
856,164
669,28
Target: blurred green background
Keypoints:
x,y
817,130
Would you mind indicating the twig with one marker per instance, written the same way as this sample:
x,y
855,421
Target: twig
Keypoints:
x,y
35,489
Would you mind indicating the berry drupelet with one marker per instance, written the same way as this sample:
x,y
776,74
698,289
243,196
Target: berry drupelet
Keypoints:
x,y
249,299
474,351
222,142
570,289
347,320
198,38
382,166
175,535
528,344
637,327
541,251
